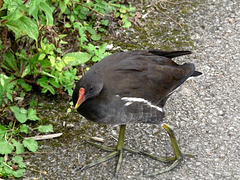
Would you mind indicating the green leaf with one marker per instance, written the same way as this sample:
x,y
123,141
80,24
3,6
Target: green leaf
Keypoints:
x,y
95,59
76,58
5,148
32,114
59,66
10,62
67,25
44,90
33,6
7,170
102,48
63,5
96,37
31,144
127,23
24,129
51,89
19,173
19,147
26,71
47,128
54,83
22,26
91,30
41,56
43,81
52,60
48,12
2,129
20,114
17,159
104,22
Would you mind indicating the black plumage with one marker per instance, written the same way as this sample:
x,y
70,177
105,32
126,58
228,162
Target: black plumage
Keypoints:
x,y
131,87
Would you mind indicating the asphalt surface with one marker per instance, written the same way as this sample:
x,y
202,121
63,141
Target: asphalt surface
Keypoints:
x,y
204,112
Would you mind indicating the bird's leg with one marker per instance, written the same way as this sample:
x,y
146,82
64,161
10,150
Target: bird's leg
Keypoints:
x,y
117,151
178,154
119,148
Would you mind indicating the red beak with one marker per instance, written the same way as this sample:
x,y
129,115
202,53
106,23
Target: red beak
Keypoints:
x,y
81,98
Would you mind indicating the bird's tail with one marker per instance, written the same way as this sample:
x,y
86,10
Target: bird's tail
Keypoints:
x,y
169,54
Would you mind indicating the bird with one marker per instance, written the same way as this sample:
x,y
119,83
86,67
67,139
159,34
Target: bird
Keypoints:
x,y
132,87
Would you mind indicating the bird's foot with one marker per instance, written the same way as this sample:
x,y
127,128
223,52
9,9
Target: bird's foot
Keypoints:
x,y
164,159
117,151
113,152
175,161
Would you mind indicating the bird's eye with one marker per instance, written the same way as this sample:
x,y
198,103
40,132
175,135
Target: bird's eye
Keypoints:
x,y
91,88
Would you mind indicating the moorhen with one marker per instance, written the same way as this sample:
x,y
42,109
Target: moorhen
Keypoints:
x,y
132,87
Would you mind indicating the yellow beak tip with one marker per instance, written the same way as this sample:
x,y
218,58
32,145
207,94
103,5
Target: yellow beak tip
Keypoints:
x,y
76,106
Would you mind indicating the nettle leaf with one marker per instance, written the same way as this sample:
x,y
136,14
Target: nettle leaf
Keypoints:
x,y
30,144
20,114
24,25
32,114
19,147
46,128
76,58
5,148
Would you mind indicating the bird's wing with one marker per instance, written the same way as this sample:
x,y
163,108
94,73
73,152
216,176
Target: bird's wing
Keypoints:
x,y
151,78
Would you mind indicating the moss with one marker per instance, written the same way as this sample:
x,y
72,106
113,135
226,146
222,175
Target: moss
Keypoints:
x,y
160,30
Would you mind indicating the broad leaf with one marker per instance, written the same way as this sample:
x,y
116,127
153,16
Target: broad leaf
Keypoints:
x,y
22,26
23,128
96,37
48,128
31,144
5,148
19,147
48,11
32,114
76,58
20,114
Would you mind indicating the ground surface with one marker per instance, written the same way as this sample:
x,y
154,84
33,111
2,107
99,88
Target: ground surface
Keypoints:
x,y
205,112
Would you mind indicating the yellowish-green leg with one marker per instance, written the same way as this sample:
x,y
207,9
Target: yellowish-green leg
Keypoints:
x,y
178,154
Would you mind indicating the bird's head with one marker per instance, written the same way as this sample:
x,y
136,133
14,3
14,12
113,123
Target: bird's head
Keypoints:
x,y
85,89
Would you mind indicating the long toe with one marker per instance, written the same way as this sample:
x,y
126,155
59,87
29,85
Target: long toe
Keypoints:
x,y
172,166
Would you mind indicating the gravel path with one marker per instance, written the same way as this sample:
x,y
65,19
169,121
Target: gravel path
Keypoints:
x,y
204,114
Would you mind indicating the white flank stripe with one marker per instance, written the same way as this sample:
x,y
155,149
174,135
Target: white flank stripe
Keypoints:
x,y
134,99
128,103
